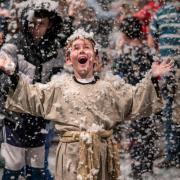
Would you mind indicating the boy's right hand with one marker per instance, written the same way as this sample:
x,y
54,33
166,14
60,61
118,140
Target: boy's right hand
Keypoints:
x,y
7,66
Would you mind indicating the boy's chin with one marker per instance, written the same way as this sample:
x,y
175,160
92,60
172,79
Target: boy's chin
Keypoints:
x,y
83,74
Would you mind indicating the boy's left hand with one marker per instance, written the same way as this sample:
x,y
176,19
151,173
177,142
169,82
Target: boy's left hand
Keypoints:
x,y
160,69
7,65
5,13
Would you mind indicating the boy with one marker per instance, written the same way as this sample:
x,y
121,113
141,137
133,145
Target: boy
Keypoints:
x,y
85,108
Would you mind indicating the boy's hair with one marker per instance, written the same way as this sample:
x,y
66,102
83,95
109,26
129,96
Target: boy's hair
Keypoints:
x,y
81,34
132,28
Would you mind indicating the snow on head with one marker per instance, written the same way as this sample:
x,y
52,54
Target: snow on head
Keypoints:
x,y
34,5
44,4
82,34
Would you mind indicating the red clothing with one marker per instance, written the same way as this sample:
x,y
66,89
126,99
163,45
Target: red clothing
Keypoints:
x,y
146,14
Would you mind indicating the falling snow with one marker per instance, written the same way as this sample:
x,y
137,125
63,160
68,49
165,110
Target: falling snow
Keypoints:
x,y
120,32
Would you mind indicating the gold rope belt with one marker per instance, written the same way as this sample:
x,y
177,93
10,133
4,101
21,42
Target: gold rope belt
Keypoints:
x,y
89,153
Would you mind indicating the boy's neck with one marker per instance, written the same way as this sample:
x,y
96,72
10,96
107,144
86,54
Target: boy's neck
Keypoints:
x,y
84,75
85,80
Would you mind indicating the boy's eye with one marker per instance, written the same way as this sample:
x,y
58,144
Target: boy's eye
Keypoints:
x,y
79,47
76,47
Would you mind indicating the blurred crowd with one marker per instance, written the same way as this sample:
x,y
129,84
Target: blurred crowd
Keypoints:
x,y
132,35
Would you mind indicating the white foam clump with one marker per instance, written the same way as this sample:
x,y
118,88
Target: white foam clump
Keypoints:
x,y
82,34
33,5
46,4
79,177
95,128
10,68
94,171
84,136
44,131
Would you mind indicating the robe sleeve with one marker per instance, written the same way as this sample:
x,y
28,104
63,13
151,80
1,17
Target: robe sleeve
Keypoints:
x,y
139,101
28,98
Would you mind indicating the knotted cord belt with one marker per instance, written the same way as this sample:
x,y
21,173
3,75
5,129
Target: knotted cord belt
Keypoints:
x,y
90,153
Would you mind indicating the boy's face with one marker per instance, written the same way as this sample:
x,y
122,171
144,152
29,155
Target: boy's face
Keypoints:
x,y
39,26
83,58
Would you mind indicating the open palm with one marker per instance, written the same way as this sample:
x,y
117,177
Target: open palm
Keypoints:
x,y
7,65
160,69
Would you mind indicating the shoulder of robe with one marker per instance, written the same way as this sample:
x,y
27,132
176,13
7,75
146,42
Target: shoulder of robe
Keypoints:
x,y
115,81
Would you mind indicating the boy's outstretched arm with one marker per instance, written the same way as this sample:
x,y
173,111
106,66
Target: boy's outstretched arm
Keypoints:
x,y
22,96
144,99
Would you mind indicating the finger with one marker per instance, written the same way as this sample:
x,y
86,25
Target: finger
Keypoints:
x,y
2,62
154,64
166,61
157,60
171,62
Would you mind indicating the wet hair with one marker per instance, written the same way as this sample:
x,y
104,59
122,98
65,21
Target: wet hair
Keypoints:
x,y
132,28
42,13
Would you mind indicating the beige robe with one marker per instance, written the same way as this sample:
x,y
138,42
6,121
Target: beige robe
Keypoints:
x,y
77,107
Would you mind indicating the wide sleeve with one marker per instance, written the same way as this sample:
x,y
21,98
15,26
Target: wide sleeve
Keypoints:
x,y
138,101
28,98
145,99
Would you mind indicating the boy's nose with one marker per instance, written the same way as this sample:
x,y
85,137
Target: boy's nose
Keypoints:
x,y
81,50
36,26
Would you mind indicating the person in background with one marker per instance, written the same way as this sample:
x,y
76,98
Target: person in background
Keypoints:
x,y
85,108
116,41
164,35
146,14
132,64
4,17
39,44
90,16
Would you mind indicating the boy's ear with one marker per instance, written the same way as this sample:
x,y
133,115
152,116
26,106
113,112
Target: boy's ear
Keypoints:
x,y
68,61
97,58
97,63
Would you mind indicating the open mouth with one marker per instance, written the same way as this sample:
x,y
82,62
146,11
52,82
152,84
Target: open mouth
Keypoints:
x,y
82,60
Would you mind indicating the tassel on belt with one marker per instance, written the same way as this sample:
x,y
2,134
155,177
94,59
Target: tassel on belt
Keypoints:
x,y
90,153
